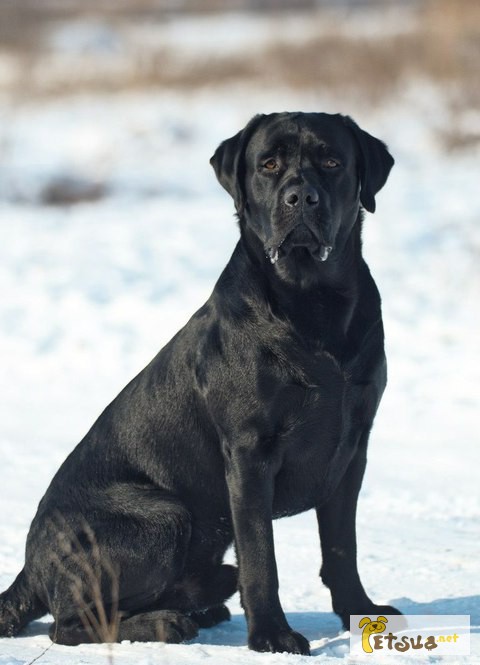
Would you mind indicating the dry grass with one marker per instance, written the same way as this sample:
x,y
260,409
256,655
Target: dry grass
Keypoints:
x,y
87,571
442,46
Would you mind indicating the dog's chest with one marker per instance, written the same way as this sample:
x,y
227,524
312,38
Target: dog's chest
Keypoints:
x,y
321,425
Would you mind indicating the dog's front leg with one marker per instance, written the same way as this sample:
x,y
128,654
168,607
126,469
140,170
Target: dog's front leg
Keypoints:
x,y
250,479
337,525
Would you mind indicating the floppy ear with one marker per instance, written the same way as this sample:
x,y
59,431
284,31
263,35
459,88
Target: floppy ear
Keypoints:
x,y
228,163
375,164
364,622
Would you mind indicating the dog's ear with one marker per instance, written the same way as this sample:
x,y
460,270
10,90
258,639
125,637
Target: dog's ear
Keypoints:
x,y
364,622
382,619
375,164
229,163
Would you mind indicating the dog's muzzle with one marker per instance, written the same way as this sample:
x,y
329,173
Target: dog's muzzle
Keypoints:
x,y
300,236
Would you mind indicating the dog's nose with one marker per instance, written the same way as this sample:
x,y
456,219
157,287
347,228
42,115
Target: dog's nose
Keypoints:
x,y
311,195
306,194
374,625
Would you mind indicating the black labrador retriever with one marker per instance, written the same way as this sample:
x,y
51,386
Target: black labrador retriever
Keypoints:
x,y
260,407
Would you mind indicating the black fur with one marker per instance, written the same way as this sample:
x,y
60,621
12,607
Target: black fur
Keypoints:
x,y
260,407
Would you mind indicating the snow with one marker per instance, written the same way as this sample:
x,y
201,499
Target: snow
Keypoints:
x,y
91,292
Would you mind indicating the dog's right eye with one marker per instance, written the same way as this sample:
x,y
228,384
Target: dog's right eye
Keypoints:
x,y
270,165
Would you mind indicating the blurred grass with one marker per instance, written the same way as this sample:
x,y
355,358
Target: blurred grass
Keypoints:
x,y
440,44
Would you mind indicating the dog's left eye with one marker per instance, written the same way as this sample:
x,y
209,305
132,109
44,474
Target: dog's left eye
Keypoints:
x,y
330,163
270,165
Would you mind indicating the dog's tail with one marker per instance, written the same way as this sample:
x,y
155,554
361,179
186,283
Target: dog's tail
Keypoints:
x,y
18,606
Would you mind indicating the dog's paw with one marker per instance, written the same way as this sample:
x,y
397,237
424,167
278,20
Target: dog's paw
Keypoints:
x,y
174,627
211,617
385,609
279,641
370,610
158,626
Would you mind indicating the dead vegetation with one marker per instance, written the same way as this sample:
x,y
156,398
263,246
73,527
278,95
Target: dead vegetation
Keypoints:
x,y
87,571
444,44
441,45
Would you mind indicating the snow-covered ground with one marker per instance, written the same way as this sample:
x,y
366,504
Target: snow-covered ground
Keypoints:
x,y
90,292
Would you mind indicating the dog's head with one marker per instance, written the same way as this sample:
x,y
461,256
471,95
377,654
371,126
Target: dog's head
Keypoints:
x,y
298,181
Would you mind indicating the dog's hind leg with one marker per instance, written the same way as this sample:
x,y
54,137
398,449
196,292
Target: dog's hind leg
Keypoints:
x,y
109,568
211,617
202,597
158,626
202,591
172,625
178,623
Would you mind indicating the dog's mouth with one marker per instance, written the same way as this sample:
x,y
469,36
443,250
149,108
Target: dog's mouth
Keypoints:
x,y
299,237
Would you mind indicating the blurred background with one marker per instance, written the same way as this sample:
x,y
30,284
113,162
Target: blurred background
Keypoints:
x,y
113,226
114,229
357,54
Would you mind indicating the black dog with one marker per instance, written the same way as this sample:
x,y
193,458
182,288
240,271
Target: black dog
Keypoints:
x,y
260,407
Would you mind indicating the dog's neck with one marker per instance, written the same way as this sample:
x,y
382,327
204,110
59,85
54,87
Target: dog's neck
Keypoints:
x,y
305,275
339,303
